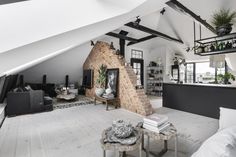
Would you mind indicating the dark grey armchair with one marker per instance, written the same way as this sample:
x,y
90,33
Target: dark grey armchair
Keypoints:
x,y
24,102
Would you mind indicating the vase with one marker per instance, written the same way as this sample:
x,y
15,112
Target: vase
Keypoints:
x,y
99,91
108,91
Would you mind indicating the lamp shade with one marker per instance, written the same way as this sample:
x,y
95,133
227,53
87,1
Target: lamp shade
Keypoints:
x,y
217,61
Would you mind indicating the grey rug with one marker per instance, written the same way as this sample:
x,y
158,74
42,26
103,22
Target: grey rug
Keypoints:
x,y
80,100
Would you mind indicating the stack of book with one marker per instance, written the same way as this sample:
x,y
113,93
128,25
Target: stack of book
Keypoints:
x,y
156,123
108,96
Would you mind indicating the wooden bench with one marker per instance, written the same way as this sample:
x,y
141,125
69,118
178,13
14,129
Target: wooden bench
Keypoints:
x,y
113,101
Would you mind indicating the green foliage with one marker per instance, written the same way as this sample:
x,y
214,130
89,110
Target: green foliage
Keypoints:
x,y
227,76
101,80
223,17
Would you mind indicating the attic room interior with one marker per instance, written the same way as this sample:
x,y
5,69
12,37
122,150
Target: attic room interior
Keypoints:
x,y
138,78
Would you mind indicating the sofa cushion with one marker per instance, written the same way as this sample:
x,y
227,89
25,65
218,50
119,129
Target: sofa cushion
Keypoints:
x,y
227,118
221,144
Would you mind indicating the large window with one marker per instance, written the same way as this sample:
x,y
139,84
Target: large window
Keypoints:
x,y
136,54
201,72
189,73
137,64
204,73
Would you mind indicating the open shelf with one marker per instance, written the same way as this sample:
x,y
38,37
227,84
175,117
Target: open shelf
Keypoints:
x,y
155,80
216,38
232,50
217,42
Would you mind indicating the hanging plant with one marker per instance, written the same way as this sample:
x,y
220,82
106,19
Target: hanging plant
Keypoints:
x,y
223,21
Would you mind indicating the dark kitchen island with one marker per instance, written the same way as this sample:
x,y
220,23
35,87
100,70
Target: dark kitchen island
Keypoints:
x,y
202,99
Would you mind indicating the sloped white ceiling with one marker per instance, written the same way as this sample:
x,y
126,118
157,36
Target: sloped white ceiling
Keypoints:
x,y
66,24
30,21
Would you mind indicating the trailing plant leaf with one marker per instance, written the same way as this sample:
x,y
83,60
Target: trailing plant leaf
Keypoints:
x,y
223,17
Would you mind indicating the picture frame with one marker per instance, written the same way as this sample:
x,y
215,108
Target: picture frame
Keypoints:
x,y
112,80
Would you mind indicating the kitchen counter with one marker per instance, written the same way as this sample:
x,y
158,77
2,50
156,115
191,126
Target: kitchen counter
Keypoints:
x,y
202,99
202,84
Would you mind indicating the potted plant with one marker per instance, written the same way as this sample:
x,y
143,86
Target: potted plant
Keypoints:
x,y
225,78
101,80
223,21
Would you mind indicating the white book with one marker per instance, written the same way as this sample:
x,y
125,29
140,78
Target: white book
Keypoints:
x,y
156,129
154,124
164,126
151,128
155,119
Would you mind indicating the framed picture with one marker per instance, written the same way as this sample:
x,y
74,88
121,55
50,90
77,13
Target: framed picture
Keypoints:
x,y
112,80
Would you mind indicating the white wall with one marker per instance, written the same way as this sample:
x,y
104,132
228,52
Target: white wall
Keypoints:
x,y
166,54
69,63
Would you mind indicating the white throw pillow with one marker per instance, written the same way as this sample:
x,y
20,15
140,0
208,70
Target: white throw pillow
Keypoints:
x,y
227,118
221,144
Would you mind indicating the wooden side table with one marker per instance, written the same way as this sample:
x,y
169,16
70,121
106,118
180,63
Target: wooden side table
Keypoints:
x,y
165,136
107,101
121,148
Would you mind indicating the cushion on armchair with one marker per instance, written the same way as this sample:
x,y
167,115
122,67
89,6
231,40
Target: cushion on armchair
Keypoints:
x,y
221,144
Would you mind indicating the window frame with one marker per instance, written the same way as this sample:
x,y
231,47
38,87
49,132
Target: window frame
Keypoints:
x,y
194,70
134,54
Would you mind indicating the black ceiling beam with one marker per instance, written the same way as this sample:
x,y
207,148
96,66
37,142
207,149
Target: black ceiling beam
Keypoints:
x,y
153,32
142,39
174,4
2,2
120,36
125,33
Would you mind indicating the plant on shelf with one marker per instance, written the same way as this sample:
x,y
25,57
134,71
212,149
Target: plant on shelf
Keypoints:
x,y
225,78
223,21
101,80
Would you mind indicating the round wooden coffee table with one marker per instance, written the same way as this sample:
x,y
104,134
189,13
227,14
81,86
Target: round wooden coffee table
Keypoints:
x,y
67,97
121,149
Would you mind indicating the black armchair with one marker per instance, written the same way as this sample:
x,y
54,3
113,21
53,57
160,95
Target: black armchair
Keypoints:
x,y
25,102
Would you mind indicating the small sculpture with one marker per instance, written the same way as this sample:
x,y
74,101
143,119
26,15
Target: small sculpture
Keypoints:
x,y
121,132
122,129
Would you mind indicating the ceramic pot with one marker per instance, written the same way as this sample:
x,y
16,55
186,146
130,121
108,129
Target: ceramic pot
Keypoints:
x,y
99,91
200,49
224,29
108,91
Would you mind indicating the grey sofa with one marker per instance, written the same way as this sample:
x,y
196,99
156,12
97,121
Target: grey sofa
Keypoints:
x,y
25,102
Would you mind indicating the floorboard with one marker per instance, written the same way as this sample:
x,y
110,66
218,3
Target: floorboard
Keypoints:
x,y
75,132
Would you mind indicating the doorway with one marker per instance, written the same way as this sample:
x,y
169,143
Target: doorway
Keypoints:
x,y
137,63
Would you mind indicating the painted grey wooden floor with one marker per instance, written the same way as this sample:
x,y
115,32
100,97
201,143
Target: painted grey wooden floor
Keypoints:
x,y
75,132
